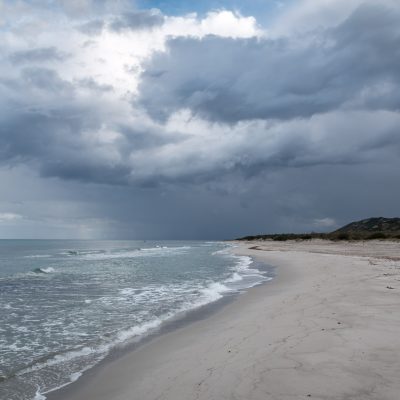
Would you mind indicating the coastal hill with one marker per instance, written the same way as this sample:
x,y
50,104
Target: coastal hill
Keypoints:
x,y
383,225
366,229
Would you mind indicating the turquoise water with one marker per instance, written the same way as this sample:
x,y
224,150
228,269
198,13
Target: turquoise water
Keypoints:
x,y
64,305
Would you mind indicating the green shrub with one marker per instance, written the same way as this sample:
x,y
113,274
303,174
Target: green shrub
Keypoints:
x,y
280,238
376,235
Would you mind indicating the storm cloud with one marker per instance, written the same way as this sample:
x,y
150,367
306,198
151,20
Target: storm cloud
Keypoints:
x,y
352,66
152,125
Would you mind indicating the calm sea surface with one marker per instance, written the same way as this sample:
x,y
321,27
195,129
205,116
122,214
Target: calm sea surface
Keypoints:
x,y
64,305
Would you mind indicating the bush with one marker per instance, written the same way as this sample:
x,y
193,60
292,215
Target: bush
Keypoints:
x,y
280,238
343,236
376,235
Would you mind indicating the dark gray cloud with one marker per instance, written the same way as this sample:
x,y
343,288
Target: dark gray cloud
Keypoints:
x,y
39,55
63,136
231,81
60,133
52,142
351,66
45,79
232,136
137,20
284,200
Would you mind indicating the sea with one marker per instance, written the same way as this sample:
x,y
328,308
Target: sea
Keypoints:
x,y
66,305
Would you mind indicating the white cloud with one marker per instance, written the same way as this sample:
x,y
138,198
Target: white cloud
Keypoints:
x,y
113,57
7,217
221,23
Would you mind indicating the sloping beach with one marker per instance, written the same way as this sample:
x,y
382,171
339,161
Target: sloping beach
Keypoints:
x,y
327,327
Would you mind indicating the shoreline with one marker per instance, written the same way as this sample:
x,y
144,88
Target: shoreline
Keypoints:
x,y
177,322
327,327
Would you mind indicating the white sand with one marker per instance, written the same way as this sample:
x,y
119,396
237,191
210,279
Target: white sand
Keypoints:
x,y
328,327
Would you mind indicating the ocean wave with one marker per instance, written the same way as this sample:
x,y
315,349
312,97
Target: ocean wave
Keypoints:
x,y
208,244
57,359
97,353
213,292
82,252
38,256
222,252
234,278
39,396
93,353
43,270
158,248
148,304
139,330
142,252
35,273
129,291
244,275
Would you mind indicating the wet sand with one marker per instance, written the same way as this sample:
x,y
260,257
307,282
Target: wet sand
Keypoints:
x,y
327,327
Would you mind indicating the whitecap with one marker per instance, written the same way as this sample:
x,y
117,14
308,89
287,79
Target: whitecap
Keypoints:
x,y
150,251
234,278
128,291
39,396
42,270
139,330
213,292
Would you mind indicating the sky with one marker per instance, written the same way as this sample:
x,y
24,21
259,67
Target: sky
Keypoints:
x,y
157,119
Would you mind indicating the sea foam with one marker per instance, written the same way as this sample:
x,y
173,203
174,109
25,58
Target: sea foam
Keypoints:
x,y
113,297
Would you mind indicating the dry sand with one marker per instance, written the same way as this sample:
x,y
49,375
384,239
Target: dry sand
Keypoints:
x,y
327,327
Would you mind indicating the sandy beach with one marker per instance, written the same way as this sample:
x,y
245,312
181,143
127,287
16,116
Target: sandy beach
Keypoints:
x,y
327,327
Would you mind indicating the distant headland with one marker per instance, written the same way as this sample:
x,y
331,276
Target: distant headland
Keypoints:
x,y
366,229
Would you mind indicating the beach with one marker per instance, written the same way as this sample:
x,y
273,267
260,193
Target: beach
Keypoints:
x,y
326,327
